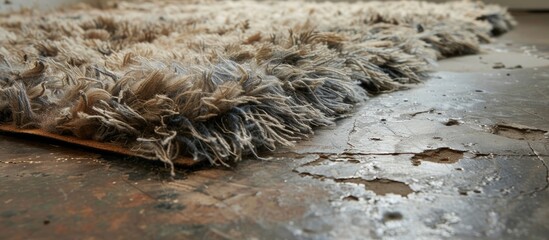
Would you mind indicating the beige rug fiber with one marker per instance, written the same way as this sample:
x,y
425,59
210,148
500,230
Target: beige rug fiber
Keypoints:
x,y
219,80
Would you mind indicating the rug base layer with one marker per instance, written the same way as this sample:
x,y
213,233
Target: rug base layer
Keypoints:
x,y
182,161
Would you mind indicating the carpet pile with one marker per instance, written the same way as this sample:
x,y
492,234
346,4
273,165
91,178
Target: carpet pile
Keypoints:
x,y
221,80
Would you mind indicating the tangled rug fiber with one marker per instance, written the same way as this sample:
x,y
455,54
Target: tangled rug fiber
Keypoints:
x,y
219,80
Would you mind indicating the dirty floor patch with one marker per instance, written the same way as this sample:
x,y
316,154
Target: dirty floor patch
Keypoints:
x,y
519,132
379,186
440,155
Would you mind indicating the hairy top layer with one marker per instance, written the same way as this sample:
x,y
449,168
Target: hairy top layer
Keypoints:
x,y
219,80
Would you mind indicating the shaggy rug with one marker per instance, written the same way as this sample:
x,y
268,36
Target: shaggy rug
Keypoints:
x,y
219,80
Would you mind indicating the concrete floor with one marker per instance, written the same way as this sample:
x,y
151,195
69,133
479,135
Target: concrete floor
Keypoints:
x,y
463,155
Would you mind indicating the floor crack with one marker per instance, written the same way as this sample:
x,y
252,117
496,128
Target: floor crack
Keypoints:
x,y
538,156
353,130
328,154
430,110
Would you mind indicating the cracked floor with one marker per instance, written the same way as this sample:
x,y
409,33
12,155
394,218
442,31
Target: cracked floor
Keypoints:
x,y
463,155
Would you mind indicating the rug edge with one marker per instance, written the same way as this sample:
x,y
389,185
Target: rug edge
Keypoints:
x,y
91,144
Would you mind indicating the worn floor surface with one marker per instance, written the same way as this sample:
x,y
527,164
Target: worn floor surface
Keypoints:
x,y
464,155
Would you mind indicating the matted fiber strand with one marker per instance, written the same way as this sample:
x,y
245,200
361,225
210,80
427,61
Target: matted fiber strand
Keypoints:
x,y
219,80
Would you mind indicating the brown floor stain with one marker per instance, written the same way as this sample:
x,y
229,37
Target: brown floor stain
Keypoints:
x,y
519,132
322,158
351,198
452,122
392,216
380,186
440,155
